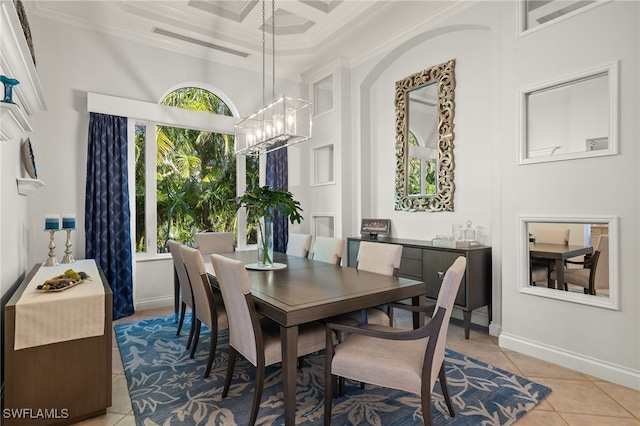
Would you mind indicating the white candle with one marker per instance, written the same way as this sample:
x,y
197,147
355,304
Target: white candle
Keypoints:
x,y
68,221
51,221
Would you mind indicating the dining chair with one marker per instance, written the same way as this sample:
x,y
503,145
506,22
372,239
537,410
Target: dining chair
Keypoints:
x,y
541,269
594,273
328,249
209,307
411,361
255,338
214,242
186,295
299,244
379,258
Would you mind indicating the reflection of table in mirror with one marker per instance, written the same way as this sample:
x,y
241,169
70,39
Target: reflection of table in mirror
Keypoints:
x,y
558,253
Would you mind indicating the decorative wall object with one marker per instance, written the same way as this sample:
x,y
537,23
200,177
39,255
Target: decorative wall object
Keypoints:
x,y
22,15
28,159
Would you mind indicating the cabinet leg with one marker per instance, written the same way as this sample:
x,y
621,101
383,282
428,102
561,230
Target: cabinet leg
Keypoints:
x,y
467,323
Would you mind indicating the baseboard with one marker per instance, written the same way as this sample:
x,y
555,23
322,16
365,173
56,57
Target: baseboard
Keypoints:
x,y
156,302
594,367
495,329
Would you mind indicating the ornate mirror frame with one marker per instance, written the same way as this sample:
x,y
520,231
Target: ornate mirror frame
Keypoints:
x,y
442,74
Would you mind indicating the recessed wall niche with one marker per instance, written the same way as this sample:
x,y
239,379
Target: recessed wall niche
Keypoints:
x,y
322,165
536,244
323,95
323,225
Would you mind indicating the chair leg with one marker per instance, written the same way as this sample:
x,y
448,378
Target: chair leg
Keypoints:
x,y
427,416
340,386
445,390
329,387
196,337
191,330
212,352
300,362
257,394
182,312
230,366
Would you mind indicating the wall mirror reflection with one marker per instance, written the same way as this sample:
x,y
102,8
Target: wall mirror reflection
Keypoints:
x,y
425,109
573,117
571,259
423,140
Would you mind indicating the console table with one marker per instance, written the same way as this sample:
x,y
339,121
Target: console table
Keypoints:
x,y
424,262
59,382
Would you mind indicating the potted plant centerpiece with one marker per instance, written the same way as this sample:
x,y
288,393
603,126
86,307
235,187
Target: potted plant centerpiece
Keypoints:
x,y
261,203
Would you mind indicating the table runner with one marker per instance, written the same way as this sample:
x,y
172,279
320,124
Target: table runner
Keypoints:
x,y
44,318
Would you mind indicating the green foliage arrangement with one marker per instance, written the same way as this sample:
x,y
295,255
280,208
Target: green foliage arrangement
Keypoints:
x,y
263,201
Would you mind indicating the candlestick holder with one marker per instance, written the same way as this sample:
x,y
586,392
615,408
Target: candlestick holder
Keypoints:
x,y
51,261
68,257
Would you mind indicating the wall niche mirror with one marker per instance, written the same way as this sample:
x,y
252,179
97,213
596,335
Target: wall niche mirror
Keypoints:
x,y
569,118
424,139
571,259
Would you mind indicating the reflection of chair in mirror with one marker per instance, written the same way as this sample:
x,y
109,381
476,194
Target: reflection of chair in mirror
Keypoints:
x,y
412,360
327,249
214,242
541,268
594,274
299,244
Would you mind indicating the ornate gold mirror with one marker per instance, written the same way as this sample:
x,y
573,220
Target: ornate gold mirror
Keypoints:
x,y
424,139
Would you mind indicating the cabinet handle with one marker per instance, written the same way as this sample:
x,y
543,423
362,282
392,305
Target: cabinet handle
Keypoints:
x,y
440,275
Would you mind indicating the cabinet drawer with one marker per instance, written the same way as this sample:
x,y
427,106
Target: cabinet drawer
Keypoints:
x,y
412,253
411,267
434,265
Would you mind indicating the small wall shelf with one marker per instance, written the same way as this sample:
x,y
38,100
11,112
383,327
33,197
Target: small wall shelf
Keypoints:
x,y
27,186
14,121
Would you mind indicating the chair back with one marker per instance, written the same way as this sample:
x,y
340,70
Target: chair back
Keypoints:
x,y
181,271
202,292
602,270
552,235
328,249
446,298
241,314
299,244
380,258
214,242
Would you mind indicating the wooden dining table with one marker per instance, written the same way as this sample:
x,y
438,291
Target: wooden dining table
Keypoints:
x,y
557,253
306,291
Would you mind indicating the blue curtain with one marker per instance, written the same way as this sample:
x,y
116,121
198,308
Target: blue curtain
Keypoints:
x,y
106,217
278,178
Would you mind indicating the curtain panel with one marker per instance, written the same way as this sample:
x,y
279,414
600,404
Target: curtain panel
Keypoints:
x,y
107,217
277,177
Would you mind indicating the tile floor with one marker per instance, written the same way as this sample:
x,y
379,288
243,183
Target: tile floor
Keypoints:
x,y
577,399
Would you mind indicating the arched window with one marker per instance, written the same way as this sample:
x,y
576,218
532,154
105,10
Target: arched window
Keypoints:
x,y
194,179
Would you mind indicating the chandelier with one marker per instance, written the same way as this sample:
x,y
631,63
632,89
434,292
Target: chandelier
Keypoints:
x,y
285,121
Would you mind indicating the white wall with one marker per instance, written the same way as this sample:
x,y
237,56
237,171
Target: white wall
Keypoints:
x,y
601,342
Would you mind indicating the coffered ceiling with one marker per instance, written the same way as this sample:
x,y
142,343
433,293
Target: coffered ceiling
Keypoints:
x,y
310,34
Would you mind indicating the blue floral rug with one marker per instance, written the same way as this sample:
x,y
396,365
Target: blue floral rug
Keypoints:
x,y
167,388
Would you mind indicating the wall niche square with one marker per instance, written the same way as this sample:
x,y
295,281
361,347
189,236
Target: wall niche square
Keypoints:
x,y
323,95
322,165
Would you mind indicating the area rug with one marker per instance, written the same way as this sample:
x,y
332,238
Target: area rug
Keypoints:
x,y
168,388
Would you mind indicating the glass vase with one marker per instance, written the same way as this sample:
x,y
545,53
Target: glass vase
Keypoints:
x,y
265,243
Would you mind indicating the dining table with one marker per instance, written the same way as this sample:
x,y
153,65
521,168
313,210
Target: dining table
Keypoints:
x,y
301,290
557,253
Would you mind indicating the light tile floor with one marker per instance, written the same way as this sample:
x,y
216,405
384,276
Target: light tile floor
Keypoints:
x,y
577,399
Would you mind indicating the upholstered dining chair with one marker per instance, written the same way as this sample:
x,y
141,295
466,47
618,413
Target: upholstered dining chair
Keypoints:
x,y
328,249
411,361
541,269
594,273
255,338
380,258
209,308
186,296
299,244
214,242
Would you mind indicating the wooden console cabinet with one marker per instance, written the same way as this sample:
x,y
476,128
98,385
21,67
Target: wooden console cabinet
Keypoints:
x,y
59,383
422,261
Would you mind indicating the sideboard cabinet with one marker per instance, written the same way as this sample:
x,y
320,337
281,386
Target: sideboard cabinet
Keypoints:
x,y
424,262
